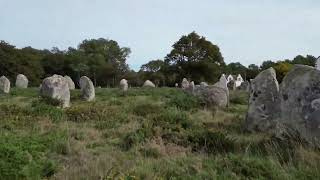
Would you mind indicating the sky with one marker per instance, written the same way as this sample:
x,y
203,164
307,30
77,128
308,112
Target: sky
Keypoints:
x,y
247,31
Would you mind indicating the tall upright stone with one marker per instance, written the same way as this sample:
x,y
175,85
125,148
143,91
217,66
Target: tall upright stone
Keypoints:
x,y
21,81
123,85
263,110
318,63
185,83
70,82
87,88
4,85
223,83
300,101
56,88
191,87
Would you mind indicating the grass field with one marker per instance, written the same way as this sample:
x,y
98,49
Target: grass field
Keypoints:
x,y
158,133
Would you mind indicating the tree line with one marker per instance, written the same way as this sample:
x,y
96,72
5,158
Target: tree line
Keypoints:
x,y
105,62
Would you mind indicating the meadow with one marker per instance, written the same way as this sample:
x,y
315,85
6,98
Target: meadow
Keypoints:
x,y
160,133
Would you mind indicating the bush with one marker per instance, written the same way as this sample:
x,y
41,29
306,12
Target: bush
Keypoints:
x,y
211,142
145,109
173,119
184,101
40,108
25,157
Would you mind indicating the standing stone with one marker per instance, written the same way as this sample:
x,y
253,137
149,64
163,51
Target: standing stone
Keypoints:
x,y
204,84
56,87
212,96
223,83
21,81
70,83
231,85
300,101
184,83
148,83
191,87
318,63
4,85
263,110
124,85
244,86
87,88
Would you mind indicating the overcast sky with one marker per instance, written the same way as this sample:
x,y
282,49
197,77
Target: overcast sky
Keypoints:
x,y
248,31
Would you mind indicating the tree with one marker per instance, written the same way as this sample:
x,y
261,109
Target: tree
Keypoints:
x,y
153,66
105,57
193,51
308,60
236,68
267,64
282,68
252,71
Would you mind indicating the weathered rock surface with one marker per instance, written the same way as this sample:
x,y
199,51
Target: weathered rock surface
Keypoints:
x,y
212,96
263,110
70,82
204,84
87,88
4,85
21,81
191,87
124,85
185,83
245,86
231,85
56,87
223,83
300,101
148,83
318,63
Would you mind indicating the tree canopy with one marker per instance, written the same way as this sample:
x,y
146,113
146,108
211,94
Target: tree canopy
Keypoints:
x,y
105,62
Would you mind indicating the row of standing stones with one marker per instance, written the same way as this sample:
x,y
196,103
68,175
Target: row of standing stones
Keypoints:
x,y
213,96
293,107
21,82
58,87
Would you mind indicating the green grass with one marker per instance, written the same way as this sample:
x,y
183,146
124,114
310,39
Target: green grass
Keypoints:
x,y
159,133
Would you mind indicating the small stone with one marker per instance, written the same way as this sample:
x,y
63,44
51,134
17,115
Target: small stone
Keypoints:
x,y
22,81
4,85
204,84
148,83
124,85
184,83
87,88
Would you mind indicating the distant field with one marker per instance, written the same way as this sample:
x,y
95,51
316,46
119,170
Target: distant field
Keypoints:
x,y
158,133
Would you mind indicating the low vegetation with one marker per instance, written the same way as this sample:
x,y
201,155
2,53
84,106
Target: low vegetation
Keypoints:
x,y
144,134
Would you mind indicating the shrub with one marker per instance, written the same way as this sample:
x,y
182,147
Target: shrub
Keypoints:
x,y
40,108
172,118
184,101
145,109
211,142
23,157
